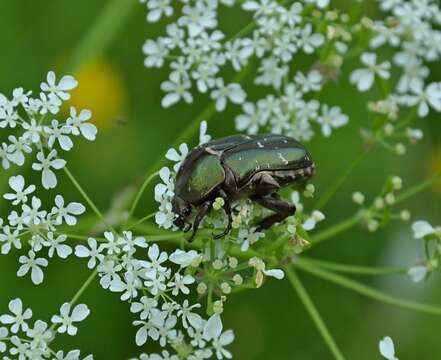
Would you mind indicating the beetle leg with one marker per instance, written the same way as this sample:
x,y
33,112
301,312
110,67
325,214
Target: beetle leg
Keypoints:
x,y
227,209
205,208
282,208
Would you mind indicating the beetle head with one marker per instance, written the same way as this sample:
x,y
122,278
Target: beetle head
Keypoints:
x,y
182,210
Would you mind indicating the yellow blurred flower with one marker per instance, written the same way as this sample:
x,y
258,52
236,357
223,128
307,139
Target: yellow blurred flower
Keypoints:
x,y
102,90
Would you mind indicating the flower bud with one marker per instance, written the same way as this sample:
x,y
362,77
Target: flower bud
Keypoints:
x,y
358,198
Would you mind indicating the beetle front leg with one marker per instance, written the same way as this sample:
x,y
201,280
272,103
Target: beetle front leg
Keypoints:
x,y
282,208
205,208
227,209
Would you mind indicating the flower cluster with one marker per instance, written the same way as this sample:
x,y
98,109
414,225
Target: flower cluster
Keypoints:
x,y
22,339
36,130
198,53
152,286
39,130
422,230
411,31
379,213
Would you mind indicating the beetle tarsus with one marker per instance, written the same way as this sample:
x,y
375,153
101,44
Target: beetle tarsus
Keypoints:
x,y
282,208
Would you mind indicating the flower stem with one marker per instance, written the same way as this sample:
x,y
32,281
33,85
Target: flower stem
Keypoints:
x,y
315,315
140,193
80,292
335,229
364,289
87,198
103,32
340,181
423,185
354,269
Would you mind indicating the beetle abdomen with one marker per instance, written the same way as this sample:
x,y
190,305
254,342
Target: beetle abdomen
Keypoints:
x,y
269,152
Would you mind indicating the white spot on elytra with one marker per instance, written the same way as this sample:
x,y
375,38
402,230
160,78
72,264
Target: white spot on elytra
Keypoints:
x,y
283,159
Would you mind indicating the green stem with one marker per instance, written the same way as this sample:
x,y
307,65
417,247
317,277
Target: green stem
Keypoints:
x,y
140,221
140,193
104,31
335,229
315,315
340,181
80,292
87,198
364,289
354,269
418,188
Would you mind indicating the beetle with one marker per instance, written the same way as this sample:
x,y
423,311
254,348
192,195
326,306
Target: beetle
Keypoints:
x,y
239,166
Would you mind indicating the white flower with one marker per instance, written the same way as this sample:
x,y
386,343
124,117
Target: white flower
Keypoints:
x,y
189,317
422,229
155,51
18,318
78,124
66,83
431,95
59,133
222,93
40,335
17,184
158,8
308,40
17,149
33,131
203,136
387,348
180,282
48,178
66,319
5,156
331,118
176,88
146,330
33,215
312,221
166,188
55,244
145,307
275,273
319,3
66,213
33,264
365,77
173,155
9,238
112,244
93,252
3,335
417,273
213,331
183,258
249,237
251,120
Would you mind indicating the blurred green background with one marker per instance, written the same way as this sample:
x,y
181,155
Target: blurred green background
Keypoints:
x,y
271,323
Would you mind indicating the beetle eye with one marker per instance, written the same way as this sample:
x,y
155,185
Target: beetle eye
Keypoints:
x,y
187,211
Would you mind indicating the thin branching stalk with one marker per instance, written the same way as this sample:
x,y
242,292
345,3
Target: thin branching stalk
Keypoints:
x,y
364,289
313,312
355,269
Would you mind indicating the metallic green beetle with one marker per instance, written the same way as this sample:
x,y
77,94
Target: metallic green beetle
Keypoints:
x,y
239,166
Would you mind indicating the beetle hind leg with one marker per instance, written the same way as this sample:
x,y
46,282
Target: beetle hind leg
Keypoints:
x,y
205,208
227,209
282,208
